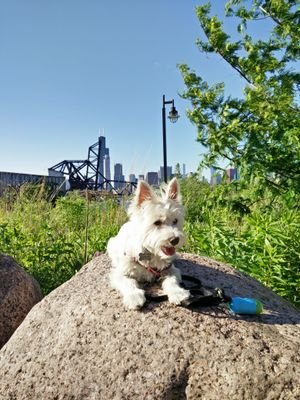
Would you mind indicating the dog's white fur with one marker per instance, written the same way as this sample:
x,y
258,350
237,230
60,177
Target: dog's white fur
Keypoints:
x,y
154,231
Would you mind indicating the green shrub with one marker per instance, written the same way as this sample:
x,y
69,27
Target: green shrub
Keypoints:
x,y
258,235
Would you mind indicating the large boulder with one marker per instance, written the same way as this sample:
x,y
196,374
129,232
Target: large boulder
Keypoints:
x,y
80,343
19,292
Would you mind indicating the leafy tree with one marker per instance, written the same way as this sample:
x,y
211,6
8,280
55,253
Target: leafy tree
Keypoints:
x,y
260,132
177,171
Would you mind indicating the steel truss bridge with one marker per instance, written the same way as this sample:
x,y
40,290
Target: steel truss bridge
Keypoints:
x,y
85,174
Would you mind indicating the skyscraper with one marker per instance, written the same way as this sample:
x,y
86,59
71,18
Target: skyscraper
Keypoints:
x,y
231,174
215,177
132,178
107,168
118,176
101,153
152,178
161,173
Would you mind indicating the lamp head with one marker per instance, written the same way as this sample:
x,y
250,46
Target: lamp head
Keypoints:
x,y
173,114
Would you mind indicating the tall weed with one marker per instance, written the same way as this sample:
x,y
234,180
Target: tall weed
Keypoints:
x,y
52,242
258,235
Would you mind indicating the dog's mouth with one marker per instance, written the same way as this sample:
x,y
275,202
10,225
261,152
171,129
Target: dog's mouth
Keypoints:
x,y
168,250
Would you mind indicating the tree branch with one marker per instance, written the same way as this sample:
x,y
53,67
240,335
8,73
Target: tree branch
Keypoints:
x,y
270,15
236,68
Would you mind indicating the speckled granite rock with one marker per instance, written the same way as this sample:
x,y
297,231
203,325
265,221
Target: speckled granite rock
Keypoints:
x,y
19,292
80,343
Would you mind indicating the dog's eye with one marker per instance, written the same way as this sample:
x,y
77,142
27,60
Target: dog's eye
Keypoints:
x,y
158,223
175,221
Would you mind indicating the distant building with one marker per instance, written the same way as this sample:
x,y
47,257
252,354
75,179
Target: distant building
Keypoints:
x,y
216,179
231,174
118,176
13,179
215,176
132,178
183,170
161,173
107,167
101,142
152,178
141,177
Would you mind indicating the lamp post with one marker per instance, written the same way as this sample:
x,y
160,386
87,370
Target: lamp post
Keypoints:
x,y
173,117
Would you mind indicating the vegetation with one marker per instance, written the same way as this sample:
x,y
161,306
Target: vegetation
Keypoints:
x,y
48,240
259,132
253,224
248,227
226,222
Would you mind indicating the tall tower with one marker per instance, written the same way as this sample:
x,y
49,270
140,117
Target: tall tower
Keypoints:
x,y
101,143
152,178
118,176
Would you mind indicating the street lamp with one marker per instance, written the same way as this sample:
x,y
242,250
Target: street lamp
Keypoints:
x,y
173,117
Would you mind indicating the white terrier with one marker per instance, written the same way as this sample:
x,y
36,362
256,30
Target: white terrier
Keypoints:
x,y
145,246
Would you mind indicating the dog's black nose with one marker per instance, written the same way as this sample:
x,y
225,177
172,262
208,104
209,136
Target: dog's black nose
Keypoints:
x,y
174,241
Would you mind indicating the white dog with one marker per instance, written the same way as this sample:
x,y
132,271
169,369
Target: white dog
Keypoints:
x,y
145,246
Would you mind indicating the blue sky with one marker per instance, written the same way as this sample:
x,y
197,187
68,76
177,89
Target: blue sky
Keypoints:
x,y
73,69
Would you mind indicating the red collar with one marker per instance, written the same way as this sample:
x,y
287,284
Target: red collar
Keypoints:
x,y
155,272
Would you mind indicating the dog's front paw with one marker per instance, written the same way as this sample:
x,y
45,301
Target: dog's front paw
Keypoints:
x,y
135,300
178,296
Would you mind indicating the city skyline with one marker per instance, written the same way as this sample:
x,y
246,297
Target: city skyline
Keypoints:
x,y
94,173
152,177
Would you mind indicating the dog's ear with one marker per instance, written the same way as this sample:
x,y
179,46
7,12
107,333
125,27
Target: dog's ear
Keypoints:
x,y
143,192
173,191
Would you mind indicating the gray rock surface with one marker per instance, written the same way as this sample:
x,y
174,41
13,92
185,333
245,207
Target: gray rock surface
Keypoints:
x,y
80,343
19,292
